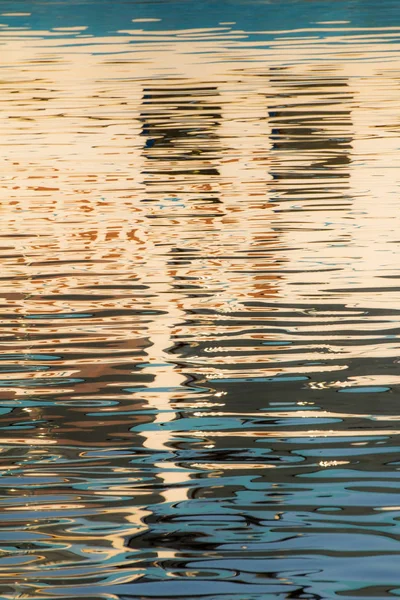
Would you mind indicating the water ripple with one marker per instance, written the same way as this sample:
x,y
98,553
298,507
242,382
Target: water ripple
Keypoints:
x,y
199,309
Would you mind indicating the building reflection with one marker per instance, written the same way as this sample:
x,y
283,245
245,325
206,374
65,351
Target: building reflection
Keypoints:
x,y
181,148
311,147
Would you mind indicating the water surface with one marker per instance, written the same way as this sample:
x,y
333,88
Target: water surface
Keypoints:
x,y
200,299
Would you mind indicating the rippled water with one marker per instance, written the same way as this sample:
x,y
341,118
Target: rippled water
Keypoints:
x,y
200,299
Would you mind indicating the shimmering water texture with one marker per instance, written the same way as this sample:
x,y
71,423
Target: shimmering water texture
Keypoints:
x,y
200,300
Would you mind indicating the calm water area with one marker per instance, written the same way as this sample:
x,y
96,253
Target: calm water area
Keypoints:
x,y
200,299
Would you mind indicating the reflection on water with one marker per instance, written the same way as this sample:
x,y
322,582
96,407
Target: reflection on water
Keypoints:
x,y
199,366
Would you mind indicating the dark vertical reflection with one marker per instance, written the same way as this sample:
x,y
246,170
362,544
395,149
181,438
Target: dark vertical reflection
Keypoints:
x,y
310,116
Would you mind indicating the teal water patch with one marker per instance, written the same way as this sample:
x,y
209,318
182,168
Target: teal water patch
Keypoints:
x,y
59,316
39,382
372,389
277,379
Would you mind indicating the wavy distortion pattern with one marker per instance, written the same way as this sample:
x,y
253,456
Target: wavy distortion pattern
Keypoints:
x,y
199,343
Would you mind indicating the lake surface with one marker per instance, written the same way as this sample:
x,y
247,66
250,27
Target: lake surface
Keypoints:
x,y
200,299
